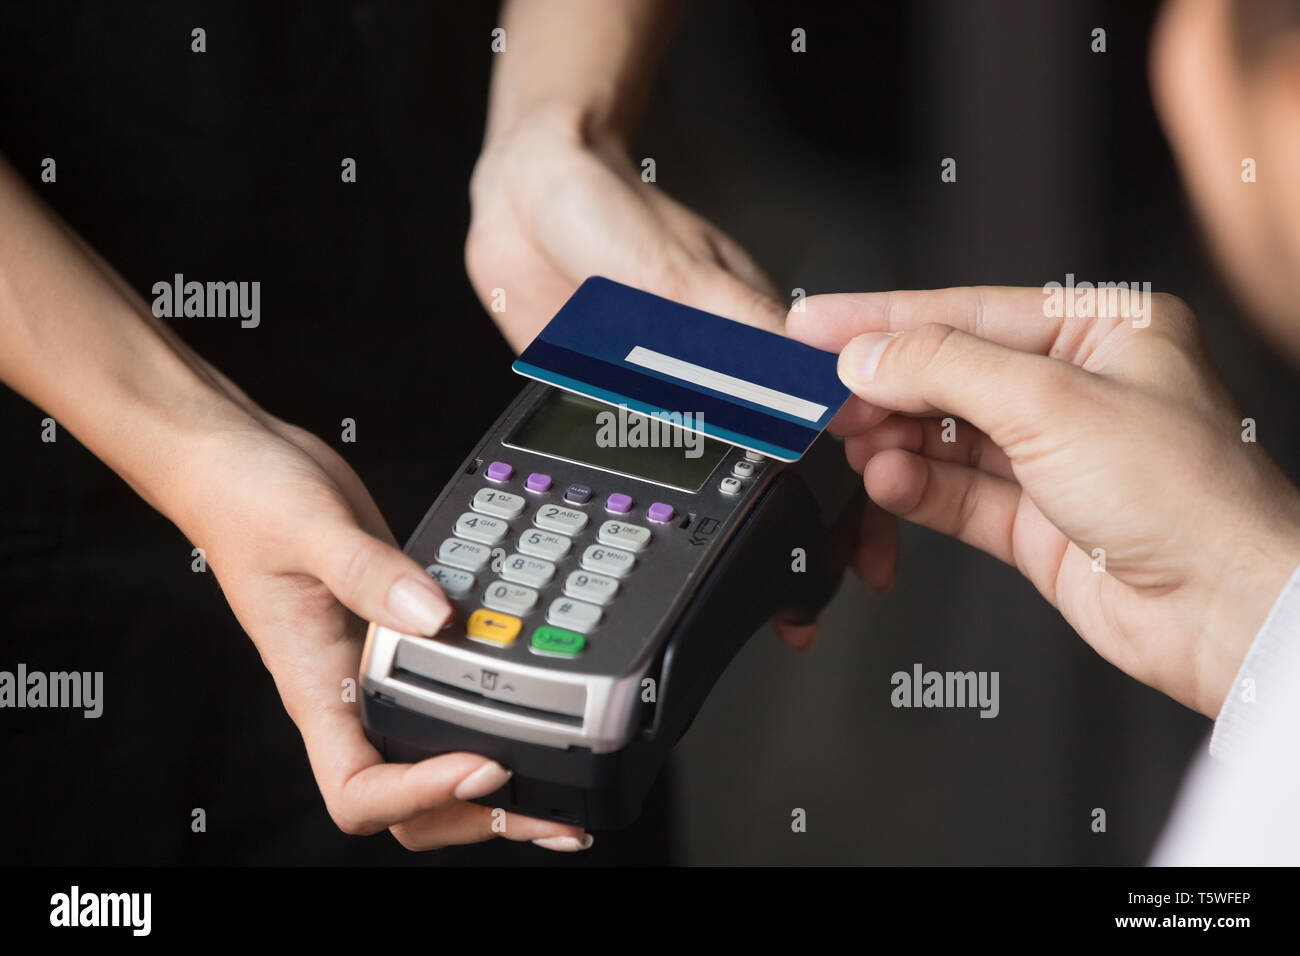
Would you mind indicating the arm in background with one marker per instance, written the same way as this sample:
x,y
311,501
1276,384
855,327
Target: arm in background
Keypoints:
x,y
293,536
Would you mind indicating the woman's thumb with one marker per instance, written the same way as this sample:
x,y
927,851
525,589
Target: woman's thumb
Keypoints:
x,y
378,582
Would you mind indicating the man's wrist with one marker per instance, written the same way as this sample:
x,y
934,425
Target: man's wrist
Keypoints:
x,y
1247,591
1258,689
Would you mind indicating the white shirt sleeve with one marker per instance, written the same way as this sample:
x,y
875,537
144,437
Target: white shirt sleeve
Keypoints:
x,y
1238,804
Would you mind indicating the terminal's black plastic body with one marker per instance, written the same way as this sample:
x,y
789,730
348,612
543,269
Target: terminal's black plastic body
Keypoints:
x,y
812,507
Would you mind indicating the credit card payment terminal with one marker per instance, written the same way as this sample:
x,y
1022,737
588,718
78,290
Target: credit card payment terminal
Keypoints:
x,y
606,564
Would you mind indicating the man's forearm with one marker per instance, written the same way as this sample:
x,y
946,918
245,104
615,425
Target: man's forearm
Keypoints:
x,y
596,56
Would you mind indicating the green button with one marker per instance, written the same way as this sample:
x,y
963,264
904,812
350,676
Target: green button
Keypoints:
x,y
556,640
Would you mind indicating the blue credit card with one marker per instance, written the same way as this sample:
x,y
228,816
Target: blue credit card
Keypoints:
x,y
731,381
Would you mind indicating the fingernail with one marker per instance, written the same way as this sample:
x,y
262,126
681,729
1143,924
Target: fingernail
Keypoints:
x,y
417,606
800,639
861,356
488,778
566,844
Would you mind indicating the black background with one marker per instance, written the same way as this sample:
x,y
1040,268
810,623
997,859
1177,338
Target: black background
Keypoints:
x,y
225,165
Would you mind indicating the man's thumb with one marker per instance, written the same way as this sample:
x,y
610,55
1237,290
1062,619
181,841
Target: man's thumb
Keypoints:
x,y
939,369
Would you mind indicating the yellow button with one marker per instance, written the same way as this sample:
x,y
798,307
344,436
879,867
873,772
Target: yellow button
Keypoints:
x,y
493,626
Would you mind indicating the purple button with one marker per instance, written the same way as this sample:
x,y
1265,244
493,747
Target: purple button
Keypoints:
x,y
660,512
578,494
499,471
618,503
538,482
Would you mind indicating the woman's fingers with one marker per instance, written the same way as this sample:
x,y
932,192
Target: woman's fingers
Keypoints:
x,y
875,560
363,793
798,637
516,283
462,823
423,802
711,287
382,795
736,259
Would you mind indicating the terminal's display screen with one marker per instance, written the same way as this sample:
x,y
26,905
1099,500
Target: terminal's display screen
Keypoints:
x,y
615,439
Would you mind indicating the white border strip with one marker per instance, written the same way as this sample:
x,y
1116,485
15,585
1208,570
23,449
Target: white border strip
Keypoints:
x,y
726,384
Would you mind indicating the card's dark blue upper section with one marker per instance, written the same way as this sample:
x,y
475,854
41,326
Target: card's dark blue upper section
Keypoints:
x,y
585,349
